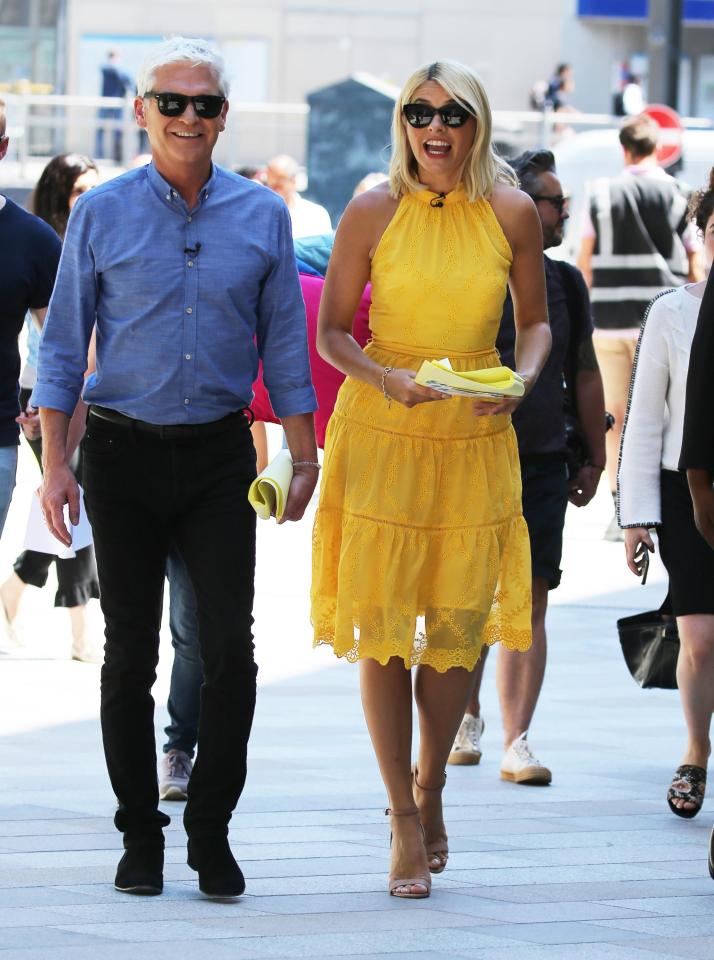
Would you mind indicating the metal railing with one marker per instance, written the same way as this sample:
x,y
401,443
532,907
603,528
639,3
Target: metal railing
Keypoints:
x,y
42,125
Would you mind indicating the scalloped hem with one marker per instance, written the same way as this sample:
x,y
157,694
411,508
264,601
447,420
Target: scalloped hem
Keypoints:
x,y
439,660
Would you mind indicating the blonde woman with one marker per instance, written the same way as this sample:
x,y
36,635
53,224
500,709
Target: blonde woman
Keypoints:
x,y
420,549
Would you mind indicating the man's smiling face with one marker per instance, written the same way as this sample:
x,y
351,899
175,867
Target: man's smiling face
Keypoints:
x,y
187,139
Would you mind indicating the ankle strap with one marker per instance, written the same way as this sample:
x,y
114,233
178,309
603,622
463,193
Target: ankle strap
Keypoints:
x,y
428,789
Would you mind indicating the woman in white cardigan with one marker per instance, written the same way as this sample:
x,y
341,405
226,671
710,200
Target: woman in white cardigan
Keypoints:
x,y
653,493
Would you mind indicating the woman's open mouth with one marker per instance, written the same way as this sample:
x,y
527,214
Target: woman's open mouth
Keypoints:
x,y
437,148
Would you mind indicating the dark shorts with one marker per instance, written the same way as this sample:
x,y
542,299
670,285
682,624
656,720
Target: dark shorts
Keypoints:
x,y
545,499
688,558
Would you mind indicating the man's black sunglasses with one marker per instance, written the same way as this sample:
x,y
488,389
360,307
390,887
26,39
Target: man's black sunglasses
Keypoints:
x,y
421,114
559,202
206,105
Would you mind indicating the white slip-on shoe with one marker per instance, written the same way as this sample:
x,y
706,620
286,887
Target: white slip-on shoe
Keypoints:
x,y
520,766
466,750
174,771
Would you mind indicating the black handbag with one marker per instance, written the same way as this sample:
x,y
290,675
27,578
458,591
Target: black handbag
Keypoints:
x,y
650,646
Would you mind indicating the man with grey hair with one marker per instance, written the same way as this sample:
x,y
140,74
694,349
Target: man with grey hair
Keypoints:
x,y
198,284
31,251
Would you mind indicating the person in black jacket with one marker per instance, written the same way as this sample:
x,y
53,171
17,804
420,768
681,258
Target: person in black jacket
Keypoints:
x,y
541,431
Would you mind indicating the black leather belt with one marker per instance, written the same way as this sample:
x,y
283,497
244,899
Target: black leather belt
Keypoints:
x,y
169,431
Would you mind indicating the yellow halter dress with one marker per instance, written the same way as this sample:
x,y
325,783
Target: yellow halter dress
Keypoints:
x,y
420,549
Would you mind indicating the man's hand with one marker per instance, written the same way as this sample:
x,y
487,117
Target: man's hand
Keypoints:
x,y
301,489
30,423
582,488
59,487
700,487
401,386
637,539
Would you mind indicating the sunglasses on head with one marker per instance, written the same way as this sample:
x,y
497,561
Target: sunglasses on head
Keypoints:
x,y
421,114
560,203
206,105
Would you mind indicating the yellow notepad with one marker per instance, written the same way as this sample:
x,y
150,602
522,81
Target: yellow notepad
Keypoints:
x,y
268,493
493,383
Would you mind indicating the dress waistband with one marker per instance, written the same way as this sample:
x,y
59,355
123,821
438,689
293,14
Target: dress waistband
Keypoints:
x,y
429,353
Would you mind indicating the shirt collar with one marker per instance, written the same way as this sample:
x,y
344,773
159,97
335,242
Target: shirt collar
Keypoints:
x,y
163,189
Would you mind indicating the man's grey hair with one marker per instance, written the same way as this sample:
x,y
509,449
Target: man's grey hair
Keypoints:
x,y
197,52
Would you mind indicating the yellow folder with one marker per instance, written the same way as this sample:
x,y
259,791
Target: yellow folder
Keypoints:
x,y
492,383
268,493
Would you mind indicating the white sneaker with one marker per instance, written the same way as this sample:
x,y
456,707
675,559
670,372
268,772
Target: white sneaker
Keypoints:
x,y
466,750
174,771
520,766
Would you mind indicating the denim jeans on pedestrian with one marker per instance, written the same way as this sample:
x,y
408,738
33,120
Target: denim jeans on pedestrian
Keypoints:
x,y
8,472
143,492
187,672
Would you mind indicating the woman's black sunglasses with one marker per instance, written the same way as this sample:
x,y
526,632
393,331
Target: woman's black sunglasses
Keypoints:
x,y
206,105
421,114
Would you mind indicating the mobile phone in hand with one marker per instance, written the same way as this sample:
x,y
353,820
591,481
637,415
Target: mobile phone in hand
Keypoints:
x,y
642,559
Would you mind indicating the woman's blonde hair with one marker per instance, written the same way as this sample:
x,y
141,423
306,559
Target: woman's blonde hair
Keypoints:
x,y
483,167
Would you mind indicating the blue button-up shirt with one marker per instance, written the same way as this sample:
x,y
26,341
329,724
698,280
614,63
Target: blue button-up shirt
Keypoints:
x,y
185,303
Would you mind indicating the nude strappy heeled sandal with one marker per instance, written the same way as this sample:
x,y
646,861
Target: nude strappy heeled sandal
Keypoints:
x,y
394,883
437,847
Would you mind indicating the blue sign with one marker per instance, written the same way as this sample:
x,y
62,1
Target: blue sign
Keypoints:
x,y
694,10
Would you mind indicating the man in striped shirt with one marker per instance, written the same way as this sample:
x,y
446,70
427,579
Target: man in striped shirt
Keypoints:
x,y
636,243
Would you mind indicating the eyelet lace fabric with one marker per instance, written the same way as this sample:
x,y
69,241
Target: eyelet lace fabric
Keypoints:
x,y
420,550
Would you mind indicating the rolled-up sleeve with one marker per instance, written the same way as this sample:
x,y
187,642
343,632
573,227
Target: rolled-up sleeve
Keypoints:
x,y
71,316
282,328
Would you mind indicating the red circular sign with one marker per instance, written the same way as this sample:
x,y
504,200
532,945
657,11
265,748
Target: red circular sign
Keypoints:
x,y
669,147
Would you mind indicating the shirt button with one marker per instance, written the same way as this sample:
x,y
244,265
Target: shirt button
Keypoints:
x,y
186,400
168,196
189,310
188,356
189,219
190,263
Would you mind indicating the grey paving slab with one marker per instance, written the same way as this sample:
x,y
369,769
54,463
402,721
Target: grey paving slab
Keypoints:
x,y
701,948
682,906
591,890
674,926
593,868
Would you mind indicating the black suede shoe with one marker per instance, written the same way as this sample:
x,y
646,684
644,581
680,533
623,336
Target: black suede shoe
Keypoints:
x,y
141,869
219,876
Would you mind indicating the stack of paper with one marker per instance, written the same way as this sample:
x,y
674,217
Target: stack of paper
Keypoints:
x,y
493,383
268,493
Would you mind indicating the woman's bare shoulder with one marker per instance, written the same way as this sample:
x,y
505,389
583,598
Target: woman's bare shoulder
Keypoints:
x,y
367,216
508,201
515,211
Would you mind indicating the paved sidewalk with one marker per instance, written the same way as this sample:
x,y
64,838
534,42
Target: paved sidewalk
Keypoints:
x,y
594,866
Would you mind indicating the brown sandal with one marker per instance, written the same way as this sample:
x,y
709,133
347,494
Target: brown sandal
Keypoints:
x,y
395,883
437,842
688,784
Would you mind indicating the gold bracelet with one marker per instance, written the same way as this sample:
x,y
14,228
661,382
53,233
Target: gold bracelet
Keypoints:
x,y
384,387
307,463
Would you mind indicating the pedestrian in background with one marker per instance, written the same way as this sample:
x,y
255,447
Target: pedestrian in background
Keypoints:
x,y
539,423
420,548
115,83
637,241
31,251
308,219
64,179
654,494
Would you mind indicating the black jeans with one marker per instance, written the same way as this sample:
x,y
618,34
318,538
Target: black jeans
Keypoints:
x,y
144,492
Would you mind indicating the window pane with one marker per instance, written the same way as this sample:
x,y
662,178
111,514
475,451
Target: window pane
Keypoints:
x,y
14,13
